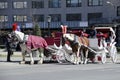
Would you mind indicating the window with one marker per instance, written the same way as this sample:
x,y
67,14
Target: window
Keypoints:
x,y
37,4
38,18
55,17
73,3
20,18
54,3
118,11
94,15
96,18
73,17
95,2
3,5
3,18
20,4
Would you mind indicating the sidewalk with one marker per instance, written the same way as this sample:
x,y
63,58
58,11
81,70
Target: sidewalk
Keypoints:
x,y
3,52
17,56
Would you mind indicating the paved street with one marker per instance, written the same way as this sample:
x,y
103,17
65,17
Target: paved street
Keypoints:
x,y
55,71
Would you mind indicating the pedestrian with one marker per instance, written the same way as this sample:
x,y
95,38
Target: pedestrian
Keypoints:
x,y
93,32
8,47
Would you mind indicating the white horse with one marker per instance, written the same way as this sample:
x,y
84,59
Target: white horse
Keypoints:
x,y
28,43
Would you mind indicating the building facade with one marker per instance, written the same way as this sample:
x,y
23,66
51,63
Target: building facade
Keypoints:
x,y
74,13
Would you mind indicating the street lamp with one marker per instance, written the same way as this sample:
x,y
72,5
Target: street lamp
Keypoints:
x,y
49,20
23,27
108,2
0,26
113,7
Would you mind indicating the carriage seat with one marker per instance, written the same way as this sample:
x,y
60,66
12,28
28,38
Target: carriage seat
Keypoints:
x,y
79,33
105,35
49,40
56,36
101,36
95,43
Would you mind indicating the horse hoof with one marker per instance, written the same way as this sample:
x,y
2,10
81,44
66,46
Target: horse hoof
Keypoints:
x,y
73,63
22,62
82,62
86,61
77,63
40,61
31,63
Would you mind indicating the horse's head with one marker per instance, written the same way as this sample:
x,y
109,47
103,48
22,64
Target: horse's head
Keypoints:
x,y
69,36
69,39
17,36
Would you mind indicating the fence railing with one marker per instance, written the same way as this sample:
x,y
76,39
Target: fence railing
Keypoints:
x,y
70,24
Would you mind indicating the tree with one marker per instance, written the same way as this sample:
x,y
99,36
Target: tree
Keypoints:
x,y
37,30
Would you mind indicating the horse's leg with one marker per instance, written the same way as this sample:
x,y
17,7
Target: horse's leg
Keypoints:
x,y
23,53
23,58
82,56
75,58
78,56
86,56
31,58
41,52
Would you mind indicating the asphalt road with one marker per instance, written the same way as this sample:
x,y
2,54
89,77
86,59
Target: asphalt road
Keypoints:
x,y
56,71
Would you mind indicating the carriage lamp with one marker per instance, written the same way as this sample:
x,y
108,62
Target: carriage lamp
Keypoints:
x,y
49,20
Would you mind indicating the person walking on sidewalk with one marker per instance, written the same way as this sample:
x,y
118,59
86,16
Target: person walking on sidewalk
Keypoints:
x,y
8,47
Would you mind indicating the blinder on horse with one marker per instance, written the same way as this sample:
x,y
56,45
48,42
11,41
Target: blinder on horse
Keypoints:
x,y
16,40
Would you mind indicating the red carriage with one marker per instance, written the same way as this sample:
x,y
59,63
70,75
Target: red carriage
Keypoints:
x,y
54,45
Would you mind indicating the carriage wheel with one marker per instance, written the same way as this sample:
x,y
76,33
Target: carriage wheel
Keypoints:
x,y
60,55
63,57
70,57
114,54
103,57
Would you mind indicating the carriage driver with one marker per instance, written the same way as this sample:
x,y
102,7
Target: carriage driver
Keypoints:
x,y
93,32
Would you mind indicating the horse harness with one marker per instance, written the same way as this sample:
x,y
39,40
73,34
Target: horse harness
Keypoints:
x,y
74,42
